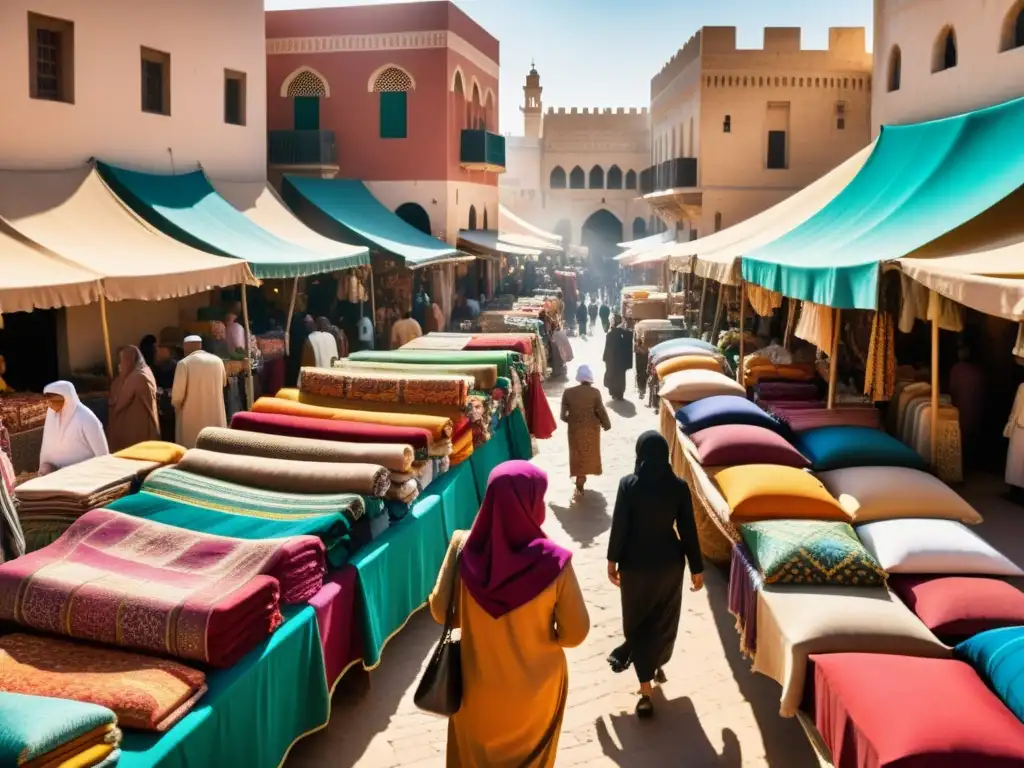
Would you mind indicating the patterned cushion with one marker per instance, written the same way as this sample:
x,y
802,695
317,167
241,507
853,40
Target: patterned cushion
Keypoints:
x,y
811,552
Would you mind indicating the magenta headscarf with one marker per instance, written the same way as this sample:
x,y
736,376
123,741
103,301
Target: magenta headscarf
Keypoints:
x,y
507,560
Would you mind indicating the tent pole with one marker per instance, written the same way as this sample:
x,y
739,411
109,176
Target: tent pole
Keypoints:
x,y
743,307
700,312
833,361
106,337
787,334
935,391
718,312
249,394
288,323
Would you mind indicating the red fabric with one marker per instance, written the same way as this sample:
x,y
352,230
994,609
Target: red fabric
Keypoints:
x,y
328,429
272,375
958,607
539,419
882,711
340,629
460,426
492,343
730,445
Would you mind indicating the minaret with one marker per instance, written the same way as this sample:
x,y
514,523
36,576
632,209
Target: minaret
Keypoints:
x,y
532,109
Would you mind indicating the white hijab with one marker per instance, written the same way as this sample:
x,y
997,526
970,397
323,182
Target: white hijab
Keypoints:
x,y
71,436
584,375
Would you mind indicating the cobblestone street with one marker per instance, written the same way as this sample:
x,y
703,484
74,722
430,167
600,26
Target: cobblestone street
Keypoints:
x,y
712,712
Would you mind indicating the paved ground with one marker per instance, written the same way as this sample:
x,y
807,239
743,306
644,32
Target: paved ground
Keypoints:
x,y
713,712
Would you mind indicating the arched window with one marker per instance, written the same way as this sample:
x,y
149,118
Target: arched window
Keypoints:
x,y
393,86
639,228
630,179
597,177
305,87
895,68
472,217
489,122
615,177
577,179
945,54
459,89
414,215
476,118
485,219
1013,28
557,178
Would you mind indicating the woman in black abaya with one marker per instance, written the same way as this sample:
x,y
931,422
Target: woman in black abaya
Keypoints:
x,y
653,537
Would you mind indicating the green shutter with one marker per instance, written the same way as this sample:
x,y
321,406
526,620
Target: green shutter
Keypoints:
x,y
393,115
307,113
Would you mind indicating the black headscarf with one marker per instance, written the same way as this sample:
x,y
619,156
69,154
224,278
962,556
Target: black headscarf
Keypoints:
x,y
652,460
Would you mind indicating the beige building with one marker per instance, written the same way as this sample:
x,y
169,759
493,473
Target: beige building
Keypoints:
x,y
935,58
735,131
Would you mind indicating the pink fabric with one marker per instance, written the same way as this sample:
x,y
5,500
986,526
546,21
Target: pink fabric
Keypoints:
x,y
340,631
802,416
507,560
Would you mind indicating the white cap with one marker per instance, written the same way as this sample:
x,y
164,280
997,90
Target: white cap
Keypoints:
x,y
193,339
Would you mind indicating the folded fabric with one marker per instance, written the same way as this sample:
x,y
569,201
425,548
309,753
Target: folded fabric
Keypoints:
x,y
805,416
508,341
452,412
144,692
79,482
505,361
730,445
878,710
462,448
768,492
688,386
724,409
485,377
440,428
153,450
787,390
37,730
998,657
870,494
392,456
933,547
956,608
841,447
406,492
333,430
121,580
426,388
288,475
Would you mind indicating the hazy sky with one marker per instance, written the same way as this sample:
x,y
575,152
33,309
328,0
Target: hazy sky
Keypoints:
x,y
603,53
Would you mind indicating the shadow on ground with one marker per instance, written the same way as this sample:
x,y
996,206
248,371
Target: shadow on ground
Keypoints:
x,y
584,520
623,408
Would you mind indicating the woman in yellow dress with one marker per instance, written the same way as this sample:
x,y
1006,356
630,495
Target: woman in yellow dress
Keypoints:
x,y
519,606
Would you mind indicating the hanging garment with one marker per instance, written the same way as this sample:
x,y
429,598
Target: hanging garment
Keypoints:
x,y
763,301
816,325
1015,431
913,303
880,369
947,312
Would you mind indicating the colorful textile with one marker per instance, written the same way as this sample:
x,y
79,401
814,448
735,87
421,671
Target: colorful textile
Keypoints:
x,y
756,492
413,388
880,367
744,583
956,608
692,385
805,416
452,412
870,494
998,658
341,636
505,361
116,579
687,363
44,731
811,552
12,537
539,419
724,409
462,448
730,445
288,475
333,430
439,428
144,692
485,377
153,450
841,447
22,412
787,390
486,457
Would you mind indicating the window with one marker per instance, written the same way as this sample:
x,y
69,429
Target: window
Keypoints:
x,y
944,55
895,68
718,222
1013,28
597,177
51,58
393,86
577,179
485,220
156,82
776,150
615,177
234,97
727,124
841,116
557,177
630,180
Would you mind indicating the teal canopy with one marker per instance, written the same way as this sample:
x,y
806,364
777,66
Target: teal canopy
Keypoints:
x,y
344,209
920,182
187,208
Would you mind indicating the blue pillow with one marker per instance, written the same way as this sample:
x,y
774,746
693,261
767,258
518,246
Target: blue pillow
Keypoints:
x,y
998,657
847,446
683,342
720,410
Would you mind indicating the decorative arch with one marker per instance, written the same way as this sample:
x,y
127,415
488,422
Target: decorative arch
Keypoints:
x,y
1013,28
390,78
415,215
945,53
596,180
577,178
602,232
639,228
489,116
630,179
458,83
557,178
472,218
305,81
476,91
614,180
392,84
895,68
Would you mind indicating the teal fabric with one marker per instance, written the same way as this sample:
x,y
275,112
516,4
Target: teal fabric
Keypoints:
x,y
32,726
521,445
345,208
187,208
998,658
840,447
393,109
253,712
460,499
486,457
505,361
920,182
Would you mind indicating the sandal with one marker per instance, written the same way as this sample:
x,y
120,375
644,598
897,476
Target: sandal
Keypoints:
x,y
645,707
659,676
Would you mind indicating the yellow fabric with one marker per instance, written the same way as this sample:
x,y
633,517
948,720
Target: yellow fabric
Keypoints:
x,y
440,428
769,492
3,384
462,448
514,676
687,363
153,450
452,412
763,301
87,758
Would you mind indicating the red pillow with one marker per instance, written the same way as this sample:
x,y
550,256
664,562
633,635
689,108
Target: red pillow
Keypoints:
x,y
731,445
958,607
882,711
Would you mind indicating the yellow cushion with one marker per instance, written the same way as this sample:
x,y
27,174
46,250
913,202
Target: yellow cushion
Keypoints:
x,y
770,492
153,450
687,363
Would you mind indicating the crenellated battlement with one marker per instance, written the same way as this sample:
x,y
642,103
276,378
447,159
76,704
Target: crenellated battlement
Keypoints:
x,y
597,111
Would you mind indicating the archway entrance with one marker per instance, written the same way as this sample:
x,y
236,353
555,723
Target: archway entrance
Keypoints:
x,y
414,215
602,232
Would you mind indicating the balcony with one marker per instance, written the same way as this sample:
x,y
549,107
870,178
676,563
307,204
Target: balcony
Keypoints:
x,y
679,173
647,180
302,148
482,150
670,188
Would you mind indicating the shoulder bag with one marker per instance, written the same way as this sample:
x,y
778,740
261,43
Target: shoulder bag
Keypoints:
x,y
440,689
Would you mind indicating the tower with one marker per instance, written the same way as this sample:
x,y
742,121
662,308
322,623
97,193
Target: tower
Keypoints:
x,y
532,109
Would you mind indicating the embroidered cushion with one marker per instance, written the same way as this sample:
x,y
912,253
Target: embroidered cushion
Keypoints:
x,y
998,658
769,492
848,446
958,607
688,386
724,409
933,547
811,552
730,445
870,494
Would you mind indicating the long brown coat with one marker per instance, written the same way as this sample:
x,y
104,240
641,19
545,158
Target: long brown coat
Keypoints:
x,y
133,413
583,410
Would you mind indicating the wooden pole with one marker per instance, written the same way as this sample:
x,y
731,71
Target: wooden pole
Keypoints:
x,y
106,337
833,361
787,334
291,312
935,391
249,394
718,313
700,312
743,307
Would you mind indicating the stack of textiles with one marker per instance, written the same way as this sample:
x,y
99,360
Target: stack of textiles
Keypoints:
x,y
804,415
336,430
910,412
485,377
206,505
47,505
145,693
758,368
453,413
153,450
40,731
412,387
122,580
506,362
22,411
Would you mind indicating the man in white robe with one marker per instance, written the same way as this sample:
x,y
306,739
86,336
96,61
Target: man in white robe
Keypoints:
x,y
198,393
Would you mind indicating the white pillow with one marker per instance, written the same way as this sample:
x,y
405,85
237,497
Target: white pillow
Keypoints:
x,y
696,384
933,546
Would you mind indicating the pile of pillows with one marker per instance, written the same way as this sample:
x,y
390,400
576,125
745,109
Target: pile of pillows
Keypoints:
x,y
691,369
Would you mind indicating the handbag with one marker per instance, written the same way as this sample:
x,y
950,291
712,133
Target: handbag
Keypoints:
x,y
440,689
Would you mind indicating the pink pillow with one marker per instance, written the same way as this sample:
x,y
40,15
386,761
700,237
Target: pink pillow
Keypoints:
x,y
731,445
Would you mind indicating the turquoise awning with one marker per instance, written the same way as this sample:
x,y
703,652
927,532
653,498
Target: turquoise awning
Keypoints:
x,y
187,208
920,182
346,210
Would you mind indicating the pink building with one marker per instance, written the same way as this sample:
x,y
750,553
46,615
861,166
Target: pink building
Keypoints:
x,y
403,97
